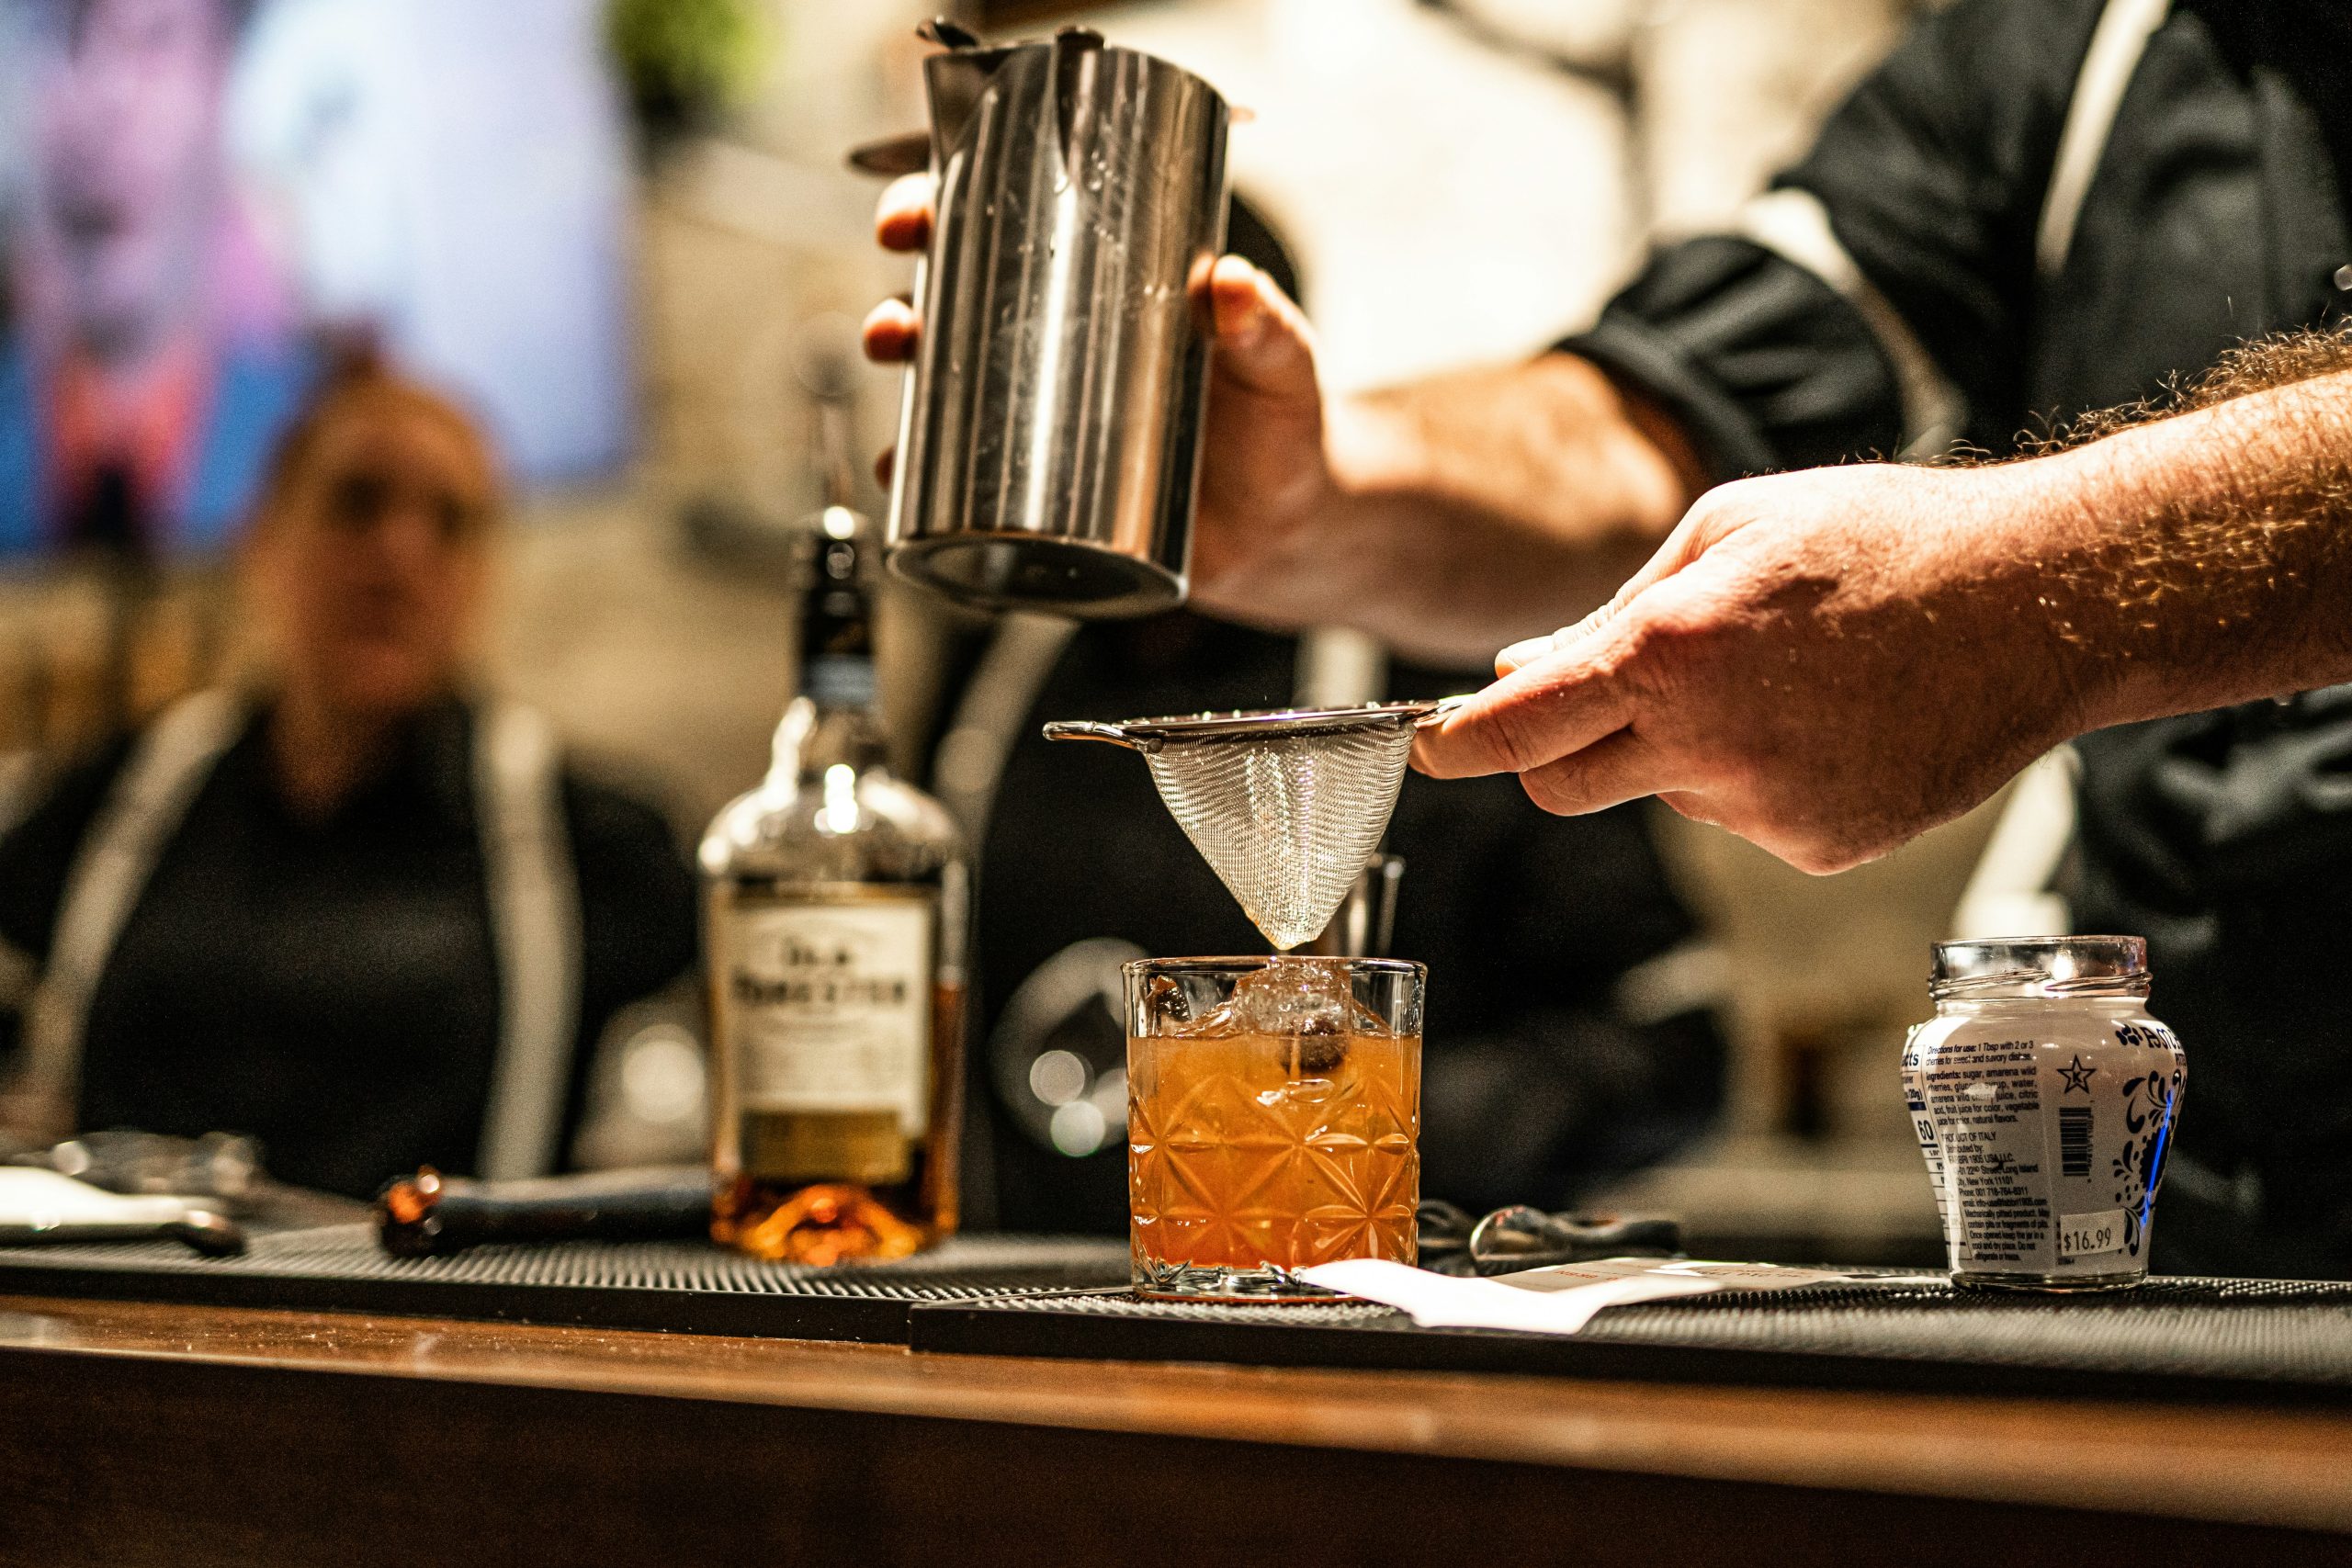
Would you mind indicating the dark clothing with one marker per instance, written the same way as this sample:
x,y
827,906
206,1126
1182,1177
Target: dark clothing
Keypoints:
x,y
331,986
1536,1084
2217,215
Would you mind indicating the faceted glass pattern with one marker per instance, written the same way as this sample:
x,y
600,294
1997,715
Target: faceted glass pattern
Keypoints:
x,y
1237,1157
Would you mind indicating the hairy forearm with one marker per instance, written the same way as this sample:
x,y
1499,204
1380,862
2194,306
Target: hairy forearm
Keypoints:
x,y
2202,558
1496,505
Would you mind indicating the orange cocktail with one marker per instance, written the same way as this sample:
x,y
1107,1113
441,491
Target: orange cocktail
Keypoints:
x,y
1274,1109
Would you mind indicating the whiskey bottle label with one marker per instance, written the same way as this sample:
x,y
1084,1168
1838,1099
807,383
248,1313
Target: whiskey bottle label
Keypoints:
x,y
828,1007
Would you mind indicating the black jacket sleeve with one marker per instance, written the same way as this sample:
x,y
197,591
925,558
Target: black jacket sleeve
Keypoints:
x,y
1762,364
1932,174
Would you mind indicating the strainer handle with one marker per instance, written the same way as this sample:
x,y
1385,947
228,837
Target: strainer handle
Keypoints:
x,y
1079,729
1442,709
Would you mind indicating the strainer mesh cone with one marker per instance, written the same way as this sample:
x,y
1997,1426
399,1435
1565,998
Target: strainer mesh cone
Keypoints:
x,y
1286,820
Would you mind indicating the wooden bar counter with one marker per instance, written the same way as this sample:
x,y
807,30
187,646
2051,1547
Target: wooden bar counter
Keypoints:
x,y
136,1434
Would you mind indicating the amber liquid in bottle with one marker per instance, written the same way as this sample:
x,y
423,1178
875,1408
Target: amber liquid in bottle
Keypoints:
x,y
834,910
827,1186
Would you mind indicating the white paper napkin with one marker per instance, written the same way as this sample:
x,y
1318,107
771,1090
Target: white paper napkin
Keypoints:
x,y
1564,1298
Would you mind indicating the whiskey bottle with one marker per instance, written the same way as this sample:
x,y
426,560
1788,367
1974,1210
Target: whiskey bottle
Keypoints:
x,y
834,907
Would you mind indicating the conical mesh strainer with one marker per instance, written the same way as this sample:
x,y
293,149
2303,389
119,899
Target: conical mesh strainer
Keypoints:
x,y
1285,807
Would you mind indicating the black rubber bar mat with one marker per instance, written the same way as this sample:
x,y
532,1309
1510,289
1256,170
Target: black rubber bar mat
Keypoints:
x,y
688,1286
2260,1340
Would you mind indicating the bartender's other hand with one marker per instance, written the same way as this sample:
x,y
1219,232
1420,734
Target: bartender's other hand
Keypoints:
x,y
1263,471
901,222
1825,662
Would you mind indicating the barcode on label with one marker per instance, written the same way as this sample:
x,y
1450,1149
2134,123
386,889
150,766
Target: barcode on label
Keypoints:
x,y
2074,1140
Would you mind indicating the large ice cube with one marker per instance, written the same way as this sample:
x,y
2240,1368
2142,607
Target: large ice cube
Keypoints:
x,y
1311,1000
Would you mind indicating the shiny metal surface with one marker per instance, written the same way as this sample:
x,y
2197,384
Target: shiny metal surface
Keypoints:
x,y
1366,923
1149,735
1049,440
1286,806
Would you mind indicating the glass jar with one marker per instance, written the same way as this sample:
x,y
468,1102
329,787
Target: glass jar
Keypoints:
x,y
1274,1121
2044,1097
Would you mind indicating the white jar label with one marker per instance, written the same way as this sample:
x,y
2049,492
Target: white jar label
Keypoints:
x,y
829,1006
1915,1102
2045,1131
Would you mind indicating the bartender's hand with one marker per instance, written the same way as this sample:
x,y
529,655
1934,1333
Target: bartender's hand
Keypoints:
x,y
1265,474
1830,661
1825,662
1446,516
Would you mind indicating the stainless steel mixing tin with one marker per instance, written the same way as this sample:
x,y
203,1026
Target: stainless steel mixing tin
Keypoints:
x,y
1049,439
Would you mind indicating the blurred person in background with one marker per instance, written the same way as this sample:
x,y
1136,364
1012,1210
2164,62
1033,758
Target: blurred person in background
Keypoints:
x,y
150,358
1567,1045
360,910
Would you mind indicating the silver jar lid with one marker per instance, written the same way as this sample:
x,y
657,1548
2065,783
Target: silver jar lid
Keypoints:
x,y
2027,966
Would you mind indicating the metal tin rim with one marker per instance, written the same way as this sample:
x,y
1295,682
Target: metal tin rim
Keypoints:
x,y
1153,585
